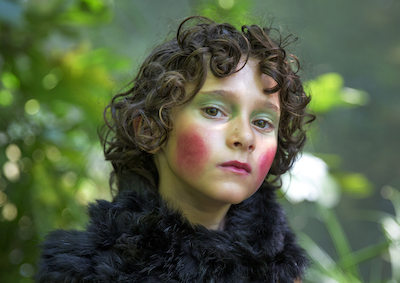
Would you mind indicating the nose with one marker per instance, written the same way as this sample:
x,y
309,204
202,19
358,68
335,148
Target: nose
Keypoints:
x,y
241,135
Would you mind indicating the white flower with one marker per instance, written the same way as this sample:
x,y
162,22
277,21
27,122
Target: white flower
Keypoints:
x,y
310,180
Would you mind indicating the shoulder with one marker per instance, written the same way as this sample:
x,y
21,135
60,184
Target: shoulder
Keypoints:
x,y
74,256
66,257
91,255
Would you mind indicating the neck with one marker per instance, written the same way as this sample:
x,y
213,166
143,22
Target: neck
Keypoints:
x,y
211,216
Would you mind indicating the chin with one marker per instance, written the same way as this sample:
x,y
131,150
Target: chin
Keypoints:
x,y
236,195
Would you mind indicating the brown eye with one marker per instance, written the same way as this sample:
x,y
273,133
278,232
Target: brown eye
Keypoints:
x,y
211,111
260,123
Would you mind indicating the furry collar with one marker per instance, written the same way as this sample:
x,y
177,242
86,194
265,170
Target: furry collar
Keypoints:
x,y
137,238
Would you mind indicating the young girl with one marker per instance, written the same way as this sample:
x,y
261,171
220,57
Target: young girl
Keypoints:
x,y
212,119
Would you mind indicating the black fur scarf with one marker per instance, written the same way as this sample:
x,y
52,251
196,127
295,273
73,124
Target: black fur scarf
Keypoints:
x,y
137,238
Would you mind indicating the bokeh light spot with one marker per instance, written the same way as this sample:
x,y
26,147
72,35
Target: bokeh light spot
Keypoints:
x,y
25,222
6,98
3,198
11,171
16,256
26,164
9,212
10,81
25,225
69,179
226,4
25,234
26,270
387,192
13,153
53,154
32,106
50,81
38,155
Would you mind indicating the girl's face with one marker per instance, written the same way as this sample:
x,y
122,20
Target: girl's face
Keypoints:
x,y
223,141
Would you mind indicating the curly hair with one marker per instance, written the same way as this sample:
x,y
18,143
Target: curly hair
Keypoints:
x,y
138,120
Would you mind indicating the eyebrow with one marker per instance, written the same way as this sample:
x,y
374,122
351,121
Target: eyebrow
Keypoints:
x,y
229,94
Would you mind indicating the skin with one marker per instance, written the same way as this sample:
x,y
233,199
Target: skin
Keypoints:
x,y
265,162
192,153
230,119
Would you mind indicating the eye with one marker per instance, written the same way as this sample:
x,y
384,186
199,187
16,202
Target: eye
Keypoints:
x,y
263,124
211,111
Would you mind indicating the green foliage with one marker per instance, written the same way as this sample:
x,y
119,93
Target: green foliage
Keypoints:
x,y
328,92
346,268
391,227
51,103
355,184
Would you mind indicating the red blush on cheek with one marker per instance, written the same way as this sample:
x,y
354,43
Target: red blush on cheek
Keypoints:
x,y
192,153
264,163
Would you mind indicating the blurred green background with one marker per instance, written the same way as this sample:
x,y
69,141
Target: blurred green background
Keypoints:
x,y
62,61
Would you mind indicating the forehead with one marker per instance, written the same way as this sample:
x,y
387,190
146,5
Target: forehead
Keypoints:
x,y
248,81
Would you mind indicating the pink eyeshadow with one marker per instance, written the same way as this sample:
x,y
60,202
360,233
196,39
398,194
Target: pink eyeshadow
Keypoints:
x,y
192,153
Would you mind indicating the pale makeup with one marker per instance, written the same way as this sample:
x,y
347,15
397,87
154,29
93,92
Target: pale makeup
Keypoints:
x,y
222,145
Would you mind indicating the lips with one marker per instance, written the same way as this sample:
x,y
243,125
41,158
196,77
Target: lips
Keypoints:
x,y
237,166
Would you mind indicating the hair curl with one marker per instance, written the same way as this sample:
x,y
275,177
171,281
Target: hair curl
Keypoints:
x,y
138,120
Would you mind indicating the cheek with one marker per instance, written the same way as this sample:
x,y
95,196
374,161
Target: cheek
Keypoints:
x,y
264,164
191,153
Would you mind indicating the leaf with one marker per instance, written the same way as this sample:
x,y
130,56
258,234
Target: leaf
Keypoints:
x,y
325,91
328,92
355,184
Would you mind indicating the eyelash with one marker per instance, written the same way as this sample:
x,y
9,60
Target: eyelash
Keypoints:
x,y
268,124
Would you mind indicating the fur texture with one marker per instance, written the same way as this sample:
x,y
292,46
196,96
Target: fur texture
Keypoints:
x,y
137,238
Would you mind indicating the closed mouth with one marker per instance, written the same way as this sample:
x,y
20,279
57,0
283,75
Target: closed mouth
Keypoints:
x,y
237,165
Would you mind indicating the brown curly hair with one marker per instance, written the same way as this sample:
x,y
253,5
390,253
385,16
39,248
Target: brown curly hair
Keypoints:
x,y
138,120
